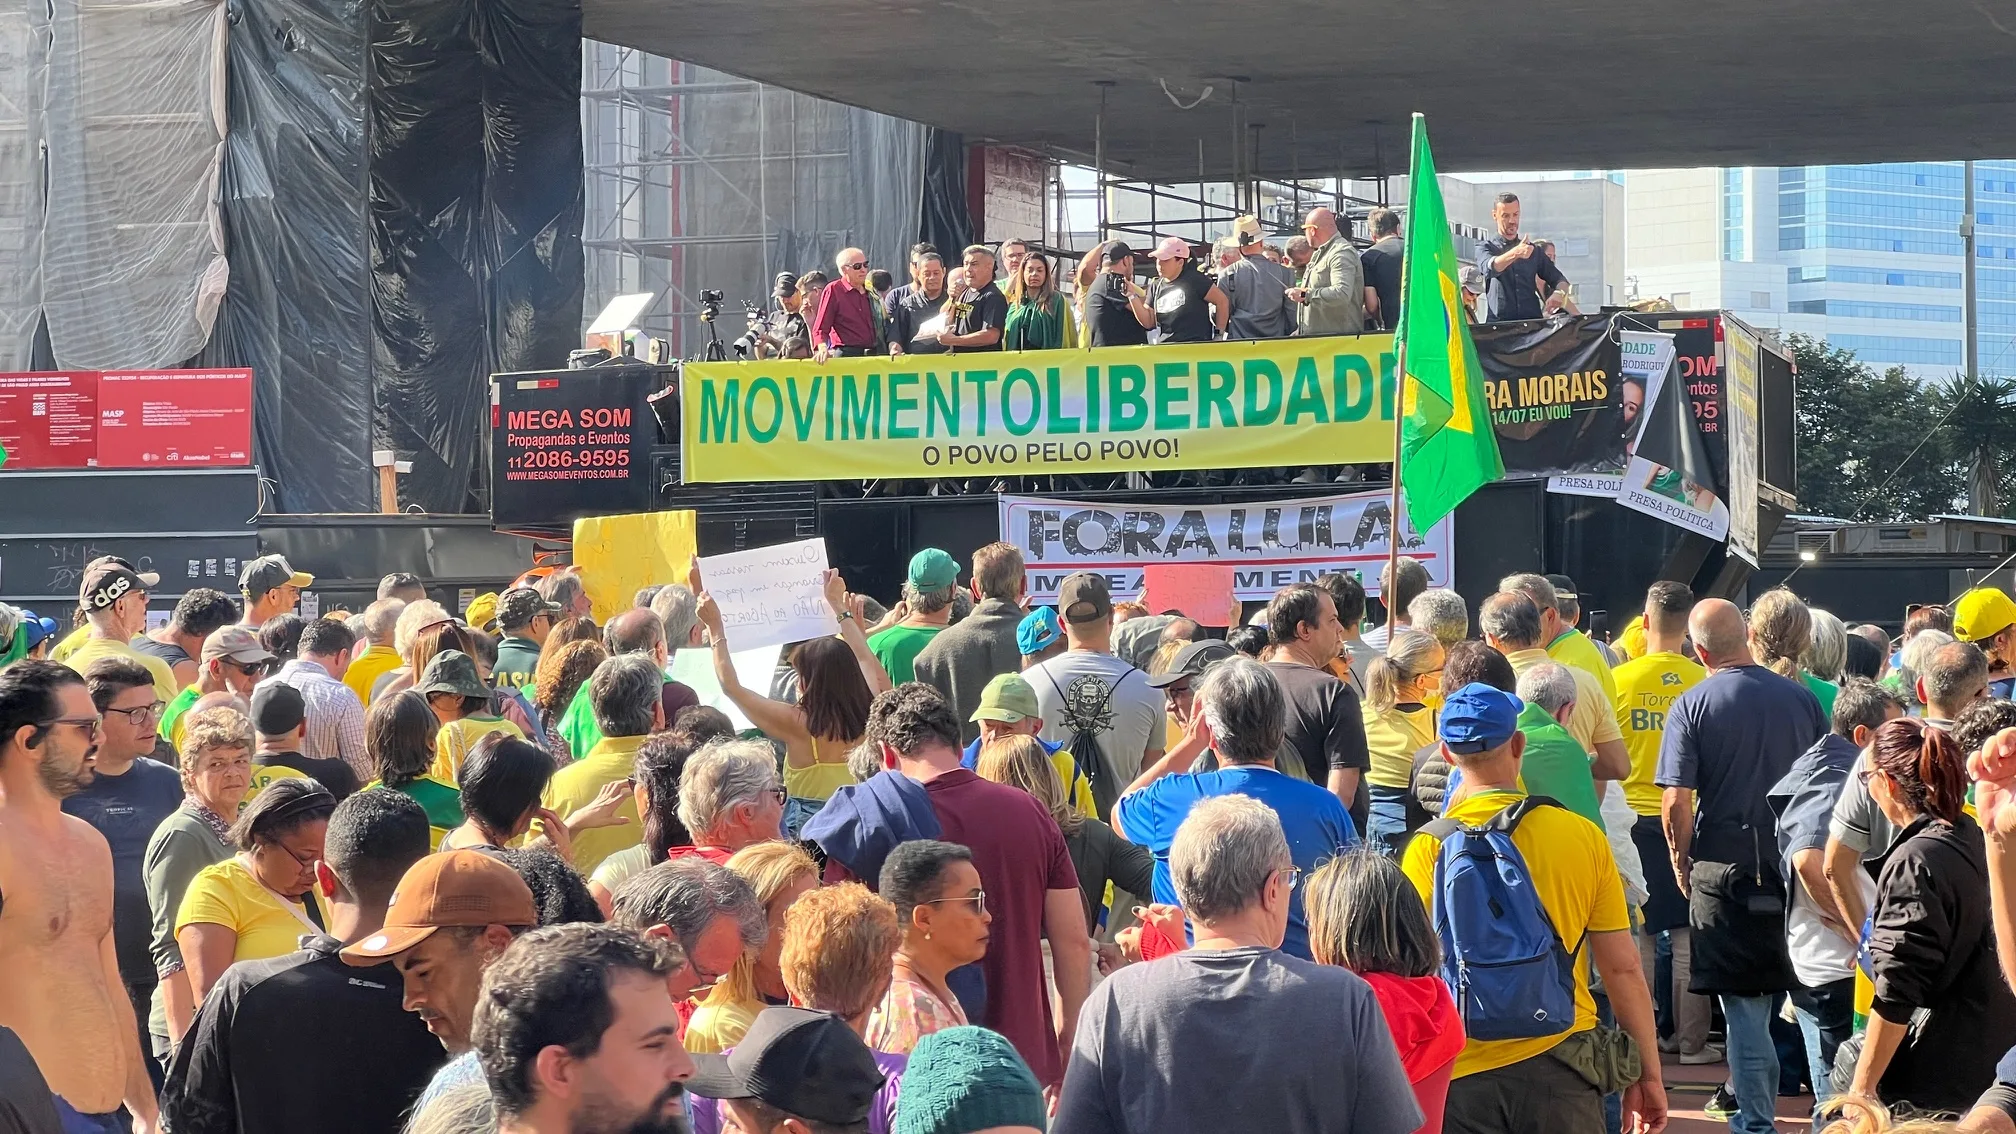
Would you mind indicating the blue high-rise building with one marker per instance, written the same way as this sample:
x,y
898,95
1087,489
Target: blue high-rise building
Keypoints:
x,y
1866,256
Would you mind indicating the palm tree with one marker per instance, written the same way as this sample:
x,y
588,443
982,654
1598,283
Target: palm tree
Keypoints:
x,y
1982,429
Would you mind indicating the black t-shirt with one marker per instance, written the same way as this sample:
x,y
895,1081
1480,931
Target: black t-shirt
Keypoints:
x,y
1325,728
168,652
1382,274
1729,739
1180,311
1108,315
910,311
125,809
1512,293
332,774
303,1043
26,1106
985,308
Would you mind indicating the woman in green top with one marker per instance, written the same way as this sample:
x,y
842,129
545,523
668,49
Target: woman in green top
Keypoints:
x,y
399,738
1038,317
1781,632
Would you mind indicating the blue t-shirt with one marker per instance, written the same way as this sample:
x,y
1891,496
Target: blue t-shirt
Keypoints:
x,y
1731,738
125,809
1315,821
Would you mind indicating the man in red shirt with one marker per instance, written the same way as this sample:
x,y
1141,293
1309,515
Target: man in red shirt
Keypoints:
x,y
1025,871
845,322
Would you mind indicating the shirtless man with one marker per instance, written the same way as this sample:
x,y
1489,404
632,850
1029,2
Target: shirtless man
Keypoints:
x,y
65,999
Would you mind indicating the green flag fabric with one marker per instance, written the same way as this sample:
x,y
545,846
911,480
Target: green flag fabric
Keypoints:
x,y
1447,448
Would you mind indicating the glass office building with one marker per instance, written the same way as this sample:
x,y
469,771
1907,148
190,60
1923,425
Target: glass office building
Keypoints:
x,y
1867,256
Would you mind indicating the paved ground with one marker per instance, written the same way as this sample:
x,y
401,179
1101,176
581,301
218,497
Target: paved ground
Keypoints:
x,y
1688,1088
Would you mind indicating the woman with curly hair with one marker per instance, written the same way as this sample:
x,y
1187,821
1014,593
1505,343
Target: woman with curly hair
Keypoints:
x,y
562,670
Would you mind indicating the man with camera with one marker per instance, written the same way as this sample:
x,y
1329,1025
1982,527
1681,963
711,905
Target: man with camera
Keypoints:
x,y
1512,265
845,322
1116,309
771,334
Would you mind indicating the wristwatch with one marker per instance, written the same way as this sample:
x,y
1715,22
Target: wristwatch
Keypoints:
x,y
843,616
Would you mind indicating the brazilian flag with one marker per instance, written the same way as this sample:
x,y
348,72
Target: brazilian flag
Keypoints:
x,y
1447,448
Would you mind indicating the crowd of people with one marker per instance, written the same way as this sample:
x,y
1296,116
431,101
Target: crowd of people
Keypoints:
x,y
1241,286
974,863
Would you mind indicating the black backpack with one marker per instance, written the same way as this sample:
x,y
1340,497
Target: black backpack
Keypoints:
x,y
1089,754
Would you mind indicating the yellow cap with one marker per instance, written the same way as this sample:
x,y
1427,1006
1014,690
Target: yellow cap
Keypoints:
x,y
482,611
1982,613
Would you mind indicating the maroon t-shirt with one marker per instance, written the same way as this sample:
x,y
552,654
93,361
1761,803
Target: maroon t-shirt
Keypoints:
x,y
1020,855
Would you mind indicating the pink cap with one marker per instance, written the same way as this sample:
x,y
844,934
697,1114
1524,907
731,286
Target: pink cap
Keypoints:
x,y
1174,248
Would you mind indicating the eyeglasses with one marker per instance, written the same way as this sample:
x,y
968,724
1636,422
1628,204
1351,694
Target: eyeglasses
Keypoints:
x,y
1293,875
703,979
978,898
93,726
860,267
308,861
778,794
141,715
250,669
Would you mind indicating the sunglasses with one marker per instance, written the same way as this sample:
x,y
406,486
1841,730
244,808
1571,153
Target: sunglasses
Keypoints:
x,y
251,669
862,266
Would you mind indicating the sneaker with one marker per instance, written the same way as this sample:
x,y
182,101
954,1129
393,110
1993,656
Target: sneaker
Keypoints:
x,y
1709,1053
1721,1106
1668,1045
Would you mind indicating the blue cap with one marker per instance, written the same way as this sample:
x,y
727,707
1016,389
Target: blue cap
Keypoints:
x,y
37,629
1039,630
1478,718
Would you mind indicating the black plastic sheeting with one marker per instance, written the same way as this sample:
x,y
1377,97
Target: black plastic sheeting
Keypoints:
x,y
292,190
476,201
947,221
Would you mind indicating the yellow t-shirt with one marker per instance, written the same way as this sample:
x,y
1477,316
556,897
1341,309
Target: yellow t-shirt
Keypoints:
x,y
227,894
1574,649
1592,721
366,668
62,650
456,738
575,787
1645,688
91,649
1394,736
717,1027
264,774
1576,877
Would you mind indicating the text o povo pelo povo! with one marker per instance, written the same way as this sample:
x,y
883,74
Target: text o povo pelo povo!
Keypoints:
x,y
981,404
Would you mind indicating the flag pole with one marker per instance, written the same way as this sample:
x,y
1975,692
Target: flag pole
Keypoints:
x,y
1399,416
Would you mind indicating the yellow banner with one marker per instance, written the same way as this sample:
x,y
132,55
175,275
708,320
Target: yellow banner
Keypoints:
x,y
1214,405
621,555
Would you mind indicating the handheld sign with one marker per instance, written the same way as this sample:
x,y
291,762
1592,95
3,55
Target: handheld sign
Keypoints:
x,y
770,595
1199,591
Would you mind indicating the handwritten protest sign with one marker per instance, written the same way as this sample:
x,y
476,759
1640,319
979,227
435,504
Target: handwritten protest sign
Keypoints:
x,y
753,668
770,595
1201,591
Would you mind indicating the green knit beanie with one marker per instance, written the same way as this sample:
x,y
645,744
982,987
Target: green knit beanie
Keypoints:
x,y
966,1079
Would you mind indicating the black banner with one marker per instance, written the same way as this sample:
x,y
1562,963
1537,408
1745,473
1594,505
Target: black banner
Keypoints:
x,y
571,443
1556,402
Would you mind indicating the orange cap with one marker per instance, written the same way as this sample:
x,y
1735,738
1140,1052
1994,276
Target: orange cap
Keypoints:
x,y
454,888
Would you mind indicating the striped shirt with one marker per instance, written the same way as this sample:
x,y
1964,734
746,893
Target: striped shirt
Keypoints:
x,y
335,716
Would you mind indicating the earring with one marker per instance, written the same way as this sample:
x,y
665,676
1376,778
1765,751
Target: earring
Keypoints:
x,y
927,937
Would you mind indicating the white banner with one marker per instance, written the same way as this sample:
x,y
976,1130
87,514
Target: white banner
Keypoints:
x,y
1270,544
1642,353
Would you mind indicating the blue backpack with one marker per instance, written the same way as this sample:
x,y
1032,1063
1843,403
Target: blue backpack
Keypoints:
x,y
1508,970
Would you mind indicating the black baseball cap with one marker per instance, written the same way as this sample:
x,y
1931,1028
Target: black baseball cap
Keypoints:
x,y
1192,661
277,710
787,282
271,572
1117,251
520,605
108,579
807,1064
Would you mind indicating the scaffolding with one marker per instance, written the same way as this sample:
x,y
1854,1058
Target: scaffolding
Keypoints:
x,y
697,180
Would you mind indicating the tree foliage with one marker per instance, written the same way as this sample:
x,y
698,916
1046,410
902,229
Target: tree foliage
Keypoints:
x,y
1858,429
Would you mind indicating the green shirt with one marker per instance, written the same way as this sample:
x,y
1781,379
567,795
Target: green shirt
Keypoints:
x,y
517,659
1824,690
171,717
897,649
443,804
1557,766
